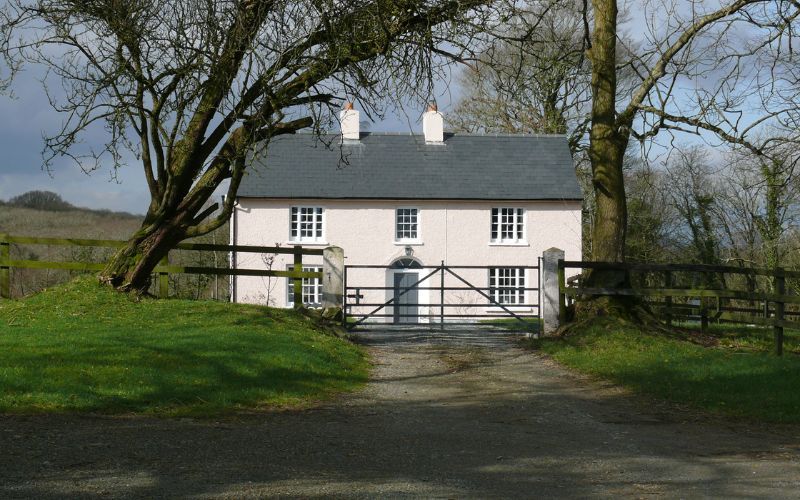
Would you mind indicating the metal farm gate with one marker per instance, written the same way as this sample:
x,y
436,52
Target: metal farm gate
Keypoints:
x,y
408,294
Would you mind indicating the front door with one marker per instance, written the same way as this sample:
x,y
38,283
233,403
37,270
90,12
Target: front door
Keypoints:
x,y
406,308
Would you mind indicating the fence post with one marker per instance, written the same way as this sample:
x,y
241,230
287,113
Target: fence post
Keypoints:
x,y
332,278
5,270
163,279
441,299
703,314
550,290
668,298
562,296
298,282
779,289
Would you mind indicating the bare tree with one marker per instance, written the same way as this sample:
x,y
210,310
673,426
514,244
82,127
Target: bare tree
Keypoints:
x,y
193,87
654,225
532,78
761,198
696,195
689,44
723,70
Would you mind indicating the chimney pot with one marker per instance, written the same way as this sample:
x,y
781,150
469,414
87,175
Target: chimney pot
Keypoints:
x,y
349,120
433,125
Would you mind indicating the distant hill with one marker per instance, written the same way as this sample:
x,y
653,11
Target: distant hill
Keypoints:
x,y
59,221
52,202
75,223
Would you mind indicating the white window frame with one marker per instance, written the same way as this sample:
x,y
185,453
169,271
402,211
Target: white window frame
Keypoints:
x,y
312,287
520,218
418,238
517,289
319,220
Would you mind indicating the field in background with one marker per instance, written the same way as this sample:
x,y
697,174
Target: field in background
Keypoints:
x,y
92,224
62,224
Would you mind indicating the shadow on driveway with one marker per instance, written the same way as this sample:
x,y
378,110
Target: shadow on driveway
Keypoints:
x,y
440,419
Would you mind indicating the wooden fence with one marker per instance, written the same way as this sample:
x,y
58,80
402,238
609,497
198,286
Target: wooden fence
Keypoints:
x,y
689,302
162,271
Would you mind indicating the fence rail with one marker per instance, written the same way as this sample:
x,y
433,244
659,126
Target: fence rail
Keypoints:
x,y
772,313
162,270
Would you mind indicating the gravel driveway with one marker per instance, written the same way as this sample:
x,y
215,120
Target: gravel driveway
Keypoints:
x,y
465,417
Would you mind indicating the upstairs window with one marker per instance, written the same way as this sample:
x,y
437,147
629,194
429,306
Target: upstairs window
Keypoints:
x,y
508,225
306,225
312,288
406,224
507,285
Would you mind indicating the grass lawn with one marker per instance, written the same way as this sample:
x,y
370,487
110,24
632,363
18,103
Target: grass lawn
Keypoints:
x,y
751,338
81,347
737,376
531,325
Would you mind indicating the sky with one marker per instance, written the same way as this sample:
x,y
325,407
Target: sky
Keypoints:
x,y
28,115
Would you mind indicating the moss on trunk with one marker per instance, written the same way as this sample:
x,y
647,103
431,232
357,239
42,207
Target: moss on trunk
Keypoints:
x,y
131,268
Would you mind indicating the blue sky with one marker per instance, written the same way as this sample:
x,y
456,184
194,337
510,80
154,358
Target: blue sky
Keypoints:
x,y
28,115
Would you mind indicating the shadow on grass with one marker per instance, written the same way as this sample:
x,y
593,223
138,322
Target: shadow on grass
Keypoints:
x,y
533,435
184,379
90,349
740,383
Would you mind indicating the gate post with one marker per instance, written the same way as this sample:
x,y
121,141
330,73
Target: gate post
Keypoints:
x,y
549,289
5,269
332,278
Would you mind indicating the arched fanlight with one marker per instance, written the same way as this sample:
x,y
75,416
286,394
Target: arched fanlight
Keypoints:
x,y
406,263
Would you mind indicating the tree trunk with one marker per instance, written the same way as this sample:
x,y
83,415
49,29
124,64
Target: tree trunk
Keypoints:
x,y
608,141
131,268
776,183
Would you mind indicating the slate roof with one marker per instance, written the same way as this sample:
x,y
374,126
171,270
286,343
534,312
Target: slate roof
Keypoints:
x,y
403,166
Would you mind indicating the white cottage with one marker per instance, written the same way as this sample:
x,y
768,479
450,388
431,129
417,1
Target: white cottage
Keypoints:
x,y
400,205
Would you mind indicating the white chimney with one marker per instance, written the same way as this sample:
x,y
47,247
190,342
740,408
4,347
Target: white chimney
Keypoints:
x,y
433,125
348,118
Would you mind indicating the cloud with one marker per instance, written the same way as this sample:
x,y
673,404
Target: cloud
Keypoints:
x,y
28,116
98,190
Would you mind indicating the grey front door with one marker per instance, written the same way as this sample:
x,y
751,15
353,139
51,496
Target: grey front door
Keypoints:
x,y
406,308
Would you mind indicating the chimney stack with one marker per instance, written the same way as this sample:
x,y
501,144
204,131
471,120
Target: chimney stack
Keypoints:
x,y
433,125
348,118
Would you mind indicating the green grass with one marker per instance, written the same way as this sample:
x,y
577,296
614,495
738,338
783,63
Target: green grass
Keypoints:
x,y
750,338
80,347
532,325
746,382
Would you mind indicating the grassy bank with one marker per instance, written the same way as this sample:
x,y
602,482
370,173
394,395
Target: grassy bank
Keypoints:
x,y
736,375
751,338
530,325
80,347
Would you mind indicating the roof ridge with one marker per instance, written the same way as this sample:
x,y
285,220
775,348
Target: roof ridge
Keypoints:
x,y
450,134
401,165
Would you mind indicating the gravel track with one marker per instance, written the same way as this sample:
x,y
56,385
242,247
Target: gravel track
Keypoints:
x,y
441,419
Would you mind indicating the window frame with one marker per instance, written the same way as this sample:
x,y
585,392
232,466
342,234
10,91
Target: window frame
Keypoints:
x,y
307,282
520,216
520,294
418,238
322,222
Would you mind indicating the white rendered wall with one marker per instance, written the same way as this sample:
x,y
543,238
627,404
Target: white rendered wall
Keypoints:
x,y
456,232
